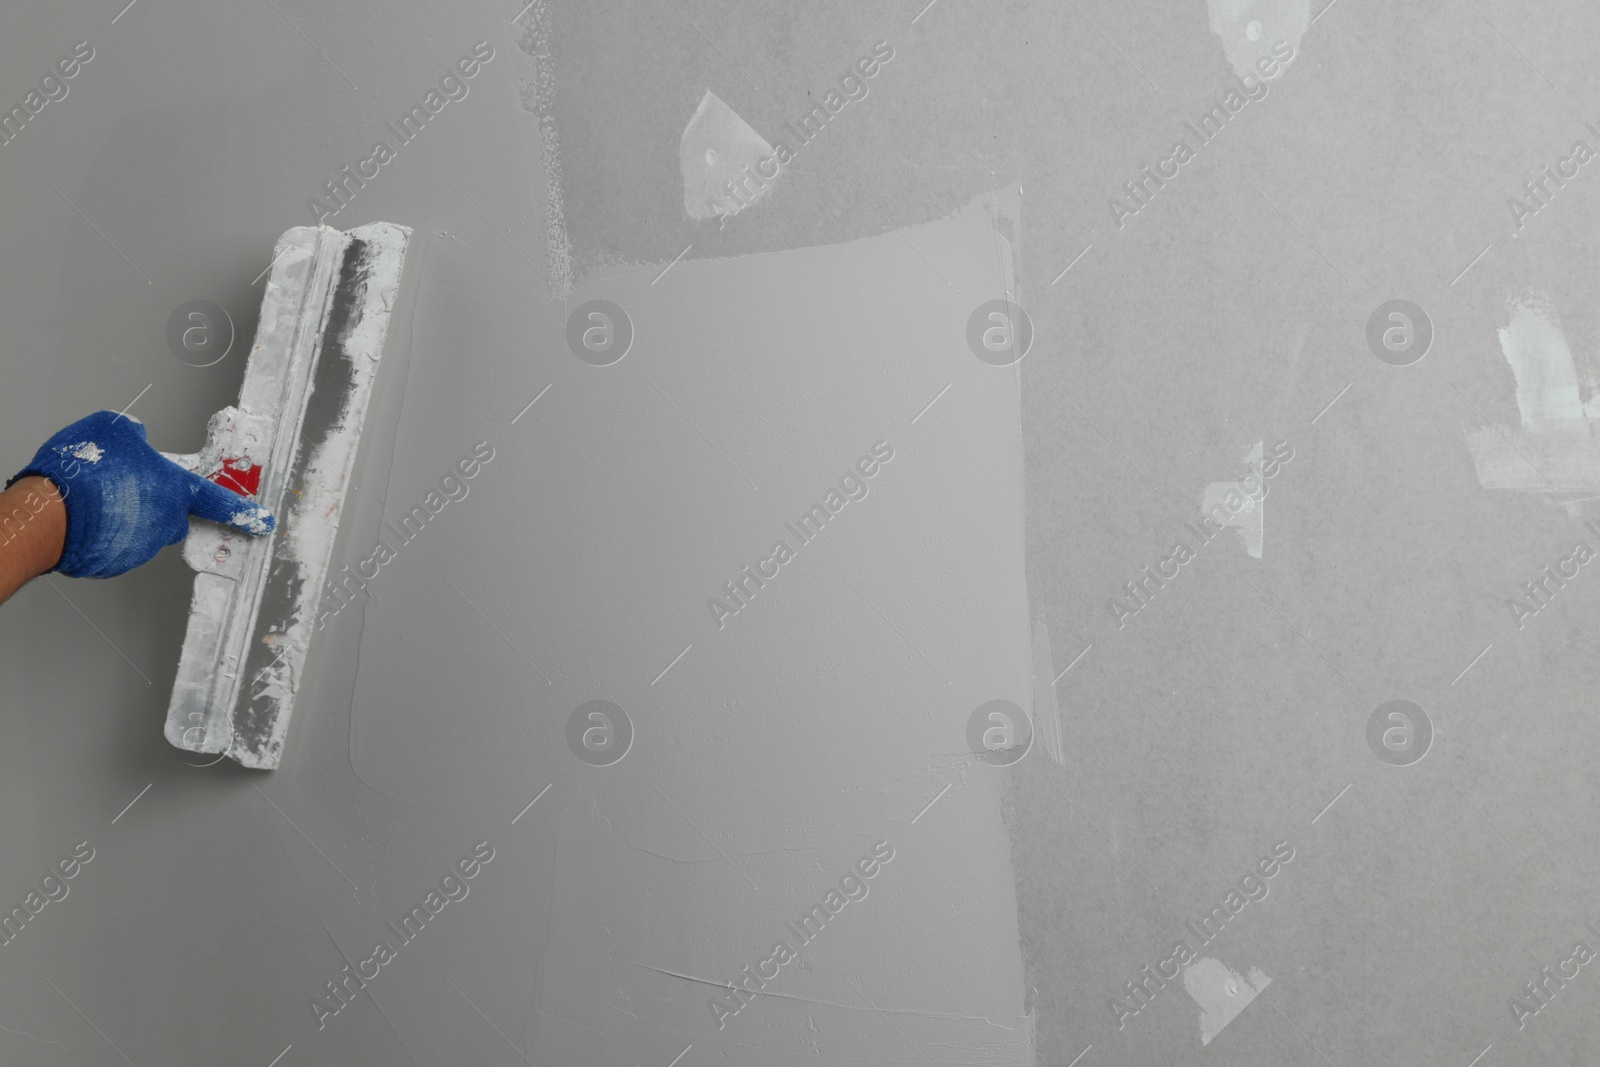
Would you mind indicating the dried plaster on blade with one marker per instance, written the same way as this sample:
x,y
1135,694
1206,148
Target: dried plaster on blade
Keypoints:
x,y
310,544
719,149
1557,448
226,589
1250,28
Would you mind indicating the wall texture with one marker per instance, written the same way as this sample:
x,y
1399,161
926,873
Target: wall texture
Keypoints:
x,y
1225,839
794,767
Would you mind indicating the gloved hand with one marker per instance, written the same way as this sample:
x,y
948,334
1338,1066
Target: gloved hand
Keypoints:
x,y
125,501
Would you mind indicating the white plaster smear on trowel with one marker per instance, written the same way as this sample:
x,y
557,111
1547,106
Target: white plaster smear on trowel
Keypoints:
x,y
311,543
1221,992
716,151
1250,520
1250,28
253,520
1557,448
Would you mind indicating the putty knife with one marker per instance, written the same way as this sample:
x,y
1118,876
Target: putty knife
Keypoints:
x,y
290,444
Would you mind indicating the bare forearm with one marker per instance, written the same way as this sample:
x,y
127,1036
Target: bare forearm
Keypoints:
x,y
33,528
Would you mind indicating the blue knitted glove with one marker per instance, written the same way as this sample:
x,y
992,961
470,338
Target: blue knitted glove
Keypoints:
x,y
125,501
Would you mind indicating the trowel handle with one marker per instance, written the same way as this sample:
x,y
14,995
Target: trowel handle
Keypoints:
x,y
237,443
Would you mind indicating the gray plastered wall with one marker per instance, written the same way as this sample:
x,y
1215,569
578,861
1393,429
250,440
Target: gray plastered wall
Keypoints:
x,y
1177,749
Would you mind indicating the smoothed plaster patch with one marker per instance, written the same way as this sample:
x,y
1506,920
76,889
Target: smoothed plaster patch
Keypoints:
x,y
715,154
1556,450
1221,992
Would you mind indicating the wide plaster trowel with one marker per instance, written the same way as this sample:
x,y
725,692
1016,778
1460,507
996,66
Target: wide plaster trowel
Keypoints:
x,y
291,444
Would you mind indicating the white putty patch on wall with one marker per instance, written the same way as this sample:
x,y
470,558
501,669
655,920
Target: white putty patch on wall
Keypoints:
x,y
1557,448
1221,992
716,151
1249,28
1250,517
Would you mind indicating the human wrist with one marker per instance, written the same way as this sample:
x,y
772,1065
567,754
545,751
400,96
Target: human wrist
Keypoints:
x,y
33,516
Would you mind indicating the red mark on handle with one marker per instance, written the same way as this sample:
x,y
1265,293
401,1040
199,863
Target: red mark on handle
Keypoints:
x,y
240,475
